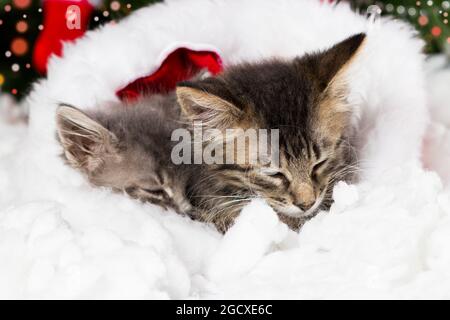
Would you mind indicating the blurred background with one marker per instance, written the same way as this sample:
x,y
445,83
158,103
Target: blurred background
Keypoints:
x,y
32,30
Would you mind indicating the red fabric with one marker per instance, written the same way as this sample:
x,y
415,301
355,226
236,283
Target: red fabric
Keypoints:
x,y
56,29
181,64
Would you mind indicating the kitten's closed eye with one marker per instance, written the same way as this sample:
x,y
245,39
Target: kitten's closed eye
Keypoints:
x,y
276,174
281,176
157,192
130,190
318,166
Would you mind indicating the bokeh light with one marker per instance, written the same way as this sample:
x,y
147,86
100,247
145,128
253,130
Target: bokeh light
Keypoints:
x,y
15,67
423,20
115,5
19,46
22,4
22,26
436,31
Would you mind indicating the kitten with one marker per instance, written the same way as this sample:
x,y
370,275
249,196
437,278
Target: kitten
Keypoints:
x,y
127,148
306,100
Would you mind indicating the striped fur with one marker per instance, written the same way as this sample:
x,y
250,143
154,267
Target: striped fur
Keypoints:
x,y
306,100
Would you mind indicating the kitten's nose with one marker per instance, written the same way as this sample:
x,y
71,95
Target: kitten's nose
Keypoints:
x,y
305,206
185,207
305,196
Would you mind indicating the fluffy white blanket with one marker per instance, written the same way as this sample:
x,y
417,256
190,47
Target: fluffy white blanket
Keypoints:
x,y
387,237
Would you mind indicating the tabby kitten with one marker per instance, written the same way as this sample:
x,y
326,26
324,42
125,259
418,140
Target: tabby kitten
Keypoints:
x,y
127,148
305,99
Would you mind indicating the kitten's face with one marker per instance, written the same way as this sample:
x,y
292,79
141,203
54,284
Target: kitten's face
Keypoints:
x,y
110,160
135,172
305,100
302,184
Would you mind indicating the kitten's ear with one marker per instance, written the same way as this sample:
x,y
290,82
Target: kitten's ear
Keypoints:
x,y
331,63
86,142
209,102
334,113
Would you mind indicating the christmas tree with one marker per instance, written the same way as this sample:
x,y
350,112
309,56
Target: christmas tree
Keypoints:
x,y
22,22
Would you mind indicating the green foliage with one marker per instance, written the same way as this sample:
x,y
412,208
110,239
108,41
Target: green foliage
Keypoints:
x,y
435,13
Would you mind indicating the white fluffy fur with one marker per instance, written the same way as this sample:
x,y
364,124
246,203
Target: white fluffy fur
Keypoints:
x,y
383,238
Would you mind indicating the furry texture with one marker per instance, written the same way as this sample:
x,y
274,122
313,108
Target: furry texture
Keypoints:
x,y
386,237
306,100
128,149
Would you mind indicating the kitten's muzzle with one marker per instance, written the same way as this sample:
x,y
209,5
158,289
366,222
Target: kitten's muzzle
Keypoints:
x,y
303,210
184,207
305,206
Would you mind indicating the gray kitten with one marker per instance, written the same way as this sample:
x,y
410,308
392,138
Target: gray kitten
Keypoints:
x,y
127,148
305,99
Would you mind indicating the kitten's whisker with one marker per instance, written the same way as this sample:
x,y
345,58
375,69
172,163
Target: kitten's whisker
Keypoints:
x,y
218,196
212,199
225,204
229,210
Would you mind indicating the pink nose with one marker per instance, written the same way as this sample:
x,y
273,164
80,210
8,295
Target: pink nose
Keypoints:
x,y
305,196
305,206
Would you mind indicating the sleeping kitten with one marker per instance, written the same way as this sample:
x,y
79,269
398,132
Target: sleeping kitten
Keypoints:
x,y
127,148
305,99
